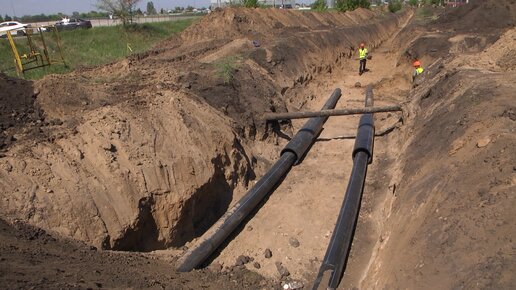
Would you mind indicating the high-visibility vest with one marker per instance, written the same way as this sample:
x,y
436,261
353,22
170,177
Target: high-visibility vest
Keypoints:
x,y
362,52
419,70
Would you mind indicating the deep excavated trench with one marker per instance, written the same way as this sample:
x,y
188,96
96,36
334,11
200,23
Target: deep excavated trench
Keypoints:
x,y
131,162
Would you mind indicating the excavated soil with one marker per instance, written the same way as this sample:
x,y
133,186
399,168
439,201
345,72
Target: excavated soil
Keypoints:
x,y
144,155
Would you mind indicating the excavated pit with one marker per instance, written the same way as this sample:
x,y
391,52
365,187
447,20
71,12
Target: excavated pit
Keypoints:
x,y
147,153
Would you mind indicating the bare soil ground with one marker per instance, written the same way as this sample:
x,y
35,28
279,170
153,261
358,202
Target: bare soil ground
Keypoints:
x,y
145,154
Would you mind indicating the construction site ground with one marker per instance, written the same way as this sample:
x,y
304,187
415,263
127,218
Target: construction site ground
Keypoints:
x,y
108,174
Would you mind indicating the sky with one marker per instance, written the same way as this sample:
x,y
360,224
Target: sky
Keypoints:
x,y
34,7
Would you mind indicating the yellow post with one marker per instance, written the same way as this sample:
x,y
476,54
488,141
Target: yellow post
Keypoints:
x,y
45,49
58,41
17,61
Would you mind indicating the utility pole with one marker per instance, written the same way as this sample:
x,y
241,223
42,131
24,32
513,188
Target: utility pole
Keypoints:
x,y
12,7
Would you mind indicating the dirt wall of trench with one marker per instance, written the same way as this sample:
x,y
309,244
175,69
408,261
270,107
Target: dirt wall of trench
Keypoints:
x,y
442,196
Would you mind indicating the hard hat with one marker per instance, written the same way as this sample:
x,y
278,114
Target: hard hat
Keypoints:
x,y
417,63
362,45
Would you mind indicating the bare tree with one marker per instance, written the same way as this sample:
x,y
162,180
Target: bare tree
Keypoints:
x,y
121,8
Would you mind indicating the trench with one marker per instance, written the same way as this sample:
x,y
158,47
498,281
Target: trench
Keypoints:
x,y
208,203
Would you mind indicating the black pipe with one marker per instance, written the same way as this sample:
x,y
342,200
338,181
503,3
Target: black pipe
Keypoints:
x,y
337,254
292,153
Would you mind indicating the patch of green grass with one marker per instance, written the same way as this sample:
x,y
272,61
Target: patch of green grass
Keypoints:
x,y
96,46
226,68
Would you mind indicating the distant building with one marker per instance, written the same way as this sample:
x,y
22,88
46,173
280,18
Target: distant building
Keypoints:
x,y
273,3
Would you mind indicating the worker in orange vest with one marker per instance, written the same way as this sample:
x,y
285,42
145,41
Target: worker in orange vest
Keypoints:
x,y
418,69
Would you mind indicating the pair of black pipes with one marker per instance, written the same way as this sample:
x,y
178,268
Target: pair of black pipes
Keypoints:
x,y
338,250
335,260
292,154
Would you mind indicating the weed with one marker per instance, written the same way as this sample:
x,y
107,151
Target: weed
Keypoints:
x,y
227,67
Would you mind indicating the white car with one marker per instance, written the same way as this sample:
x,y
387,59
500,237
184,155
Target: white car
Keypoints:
x,y
15,27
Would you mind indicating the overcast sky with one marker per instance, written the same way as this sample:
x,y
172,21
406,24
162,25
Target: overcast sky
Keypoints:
x,y
32,7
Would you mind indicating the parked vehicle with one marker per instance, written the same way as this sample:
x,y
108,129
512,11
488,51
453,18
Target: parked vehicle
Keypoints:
x,y
72,23
15,27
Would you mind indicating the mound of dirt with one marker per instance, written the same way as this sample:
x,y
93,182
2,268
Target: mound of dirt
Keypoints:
x,y
18,110
455,179
479,16
33,259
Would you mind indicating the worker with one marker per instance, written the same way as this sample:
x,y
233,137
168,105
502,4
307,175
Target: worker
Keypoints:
x,y
363,58
418,69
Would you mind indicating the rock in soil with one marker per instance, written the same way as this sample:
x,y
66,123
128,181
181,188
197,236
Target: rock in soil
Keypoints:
x,y
242,260
293,242
282,270
268,253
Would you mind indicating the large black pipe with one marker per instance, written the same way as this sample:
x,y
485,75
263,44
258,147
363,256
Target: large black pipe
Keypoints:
x,y
334,262
291,154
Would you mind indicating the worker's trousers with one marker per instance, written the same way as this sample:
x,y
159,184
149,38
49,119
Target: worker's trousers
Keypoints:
x,y
361,69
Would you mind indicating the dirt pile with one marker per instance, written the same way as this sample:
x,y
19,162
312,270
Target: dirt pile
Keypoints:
x,y
479,16
455,179
18,111
31,258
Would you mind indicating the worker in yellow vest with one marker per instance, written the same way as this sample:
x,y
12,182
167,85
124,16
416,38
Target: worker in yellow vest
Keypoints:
x,y
418,69
362,51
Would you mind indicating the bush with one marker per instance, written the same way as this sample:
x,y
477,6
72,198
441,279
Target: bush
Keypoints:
x,y
319,5
394,5
413,2
251,3
435,2
348,5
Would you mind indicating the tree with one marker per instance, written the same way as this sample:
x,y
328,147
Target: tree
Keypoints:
x,y
189,8
7,18
151,10
162,11
413,2
319,5
1,18
121,8
76,14
348,5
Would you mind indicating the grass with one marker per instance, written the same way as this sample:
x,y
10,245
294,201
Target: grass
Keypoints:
x,y
425,14
226,68
96,46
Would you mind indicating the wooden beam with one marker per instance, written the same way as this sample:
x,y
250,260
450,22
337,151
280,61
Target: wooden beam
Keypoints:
x,y
326,113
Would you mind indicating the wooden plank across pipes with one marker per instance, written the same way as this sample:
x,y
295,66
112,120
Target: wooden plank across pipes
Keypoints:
x,y
325,113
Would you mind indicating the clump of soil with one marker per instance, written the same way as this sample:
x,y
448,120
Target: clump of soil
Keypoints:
x,y
18,110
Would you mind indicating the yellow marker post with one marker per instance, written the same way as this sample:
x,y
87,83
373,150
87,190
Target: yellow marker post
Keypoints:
x,y
17,60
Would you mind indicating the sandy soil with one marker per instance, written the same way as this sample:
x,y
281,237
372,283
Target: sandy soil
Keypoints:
x,y
145,154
